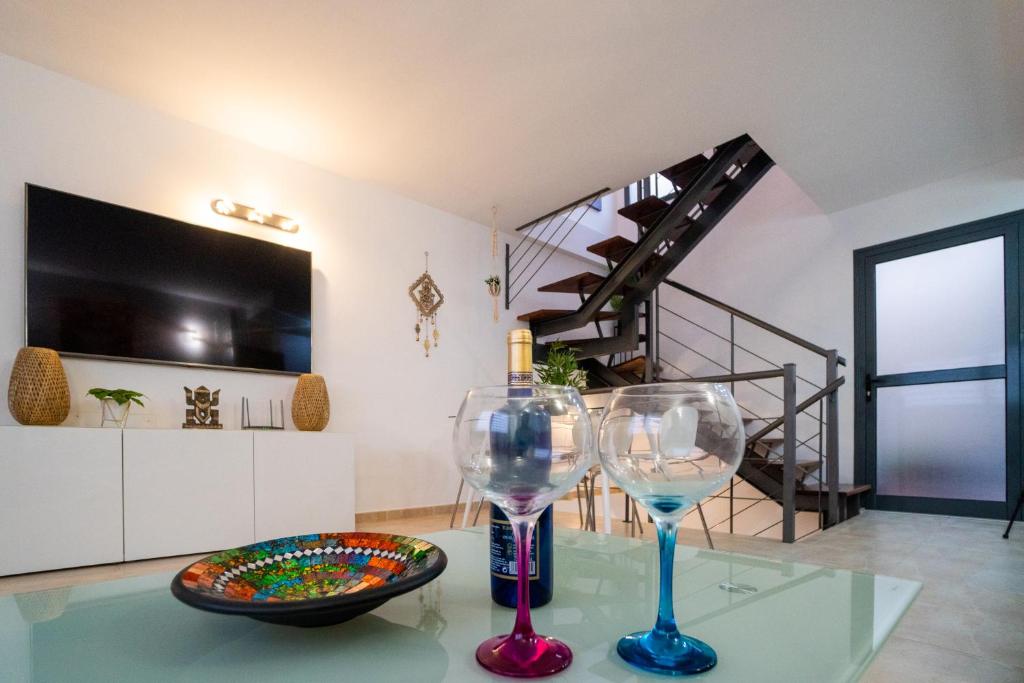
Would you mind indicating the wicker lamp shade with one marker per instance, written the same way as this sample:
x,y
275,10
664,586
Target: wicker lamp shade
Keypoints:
x,y
311,406
38,393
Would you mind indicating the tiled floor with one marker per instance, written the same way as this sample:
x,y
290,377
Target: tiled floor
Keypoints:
x,y
966,625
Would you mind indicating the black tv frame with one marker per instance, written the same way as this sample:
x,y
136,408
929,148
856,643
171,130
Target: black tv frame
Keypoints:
x,y
150,361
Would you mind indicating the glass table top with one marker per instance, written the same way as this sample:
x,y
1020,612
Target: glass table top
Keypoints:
x,y
780,621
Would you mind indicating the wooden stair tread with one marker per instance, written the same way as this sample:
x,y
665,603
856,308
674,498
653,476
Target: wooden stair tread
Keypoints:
x,y
842,489
549,313
634,366
613,248
646,211
682,173
582,282
806,466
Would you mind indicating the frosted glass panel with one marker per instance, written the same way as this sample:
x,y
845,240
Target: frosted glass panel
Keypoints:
x,y
943,440
941,310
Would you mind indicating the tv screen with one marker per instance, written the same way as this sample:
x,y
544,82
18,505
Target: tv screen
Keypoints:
x,y
105,280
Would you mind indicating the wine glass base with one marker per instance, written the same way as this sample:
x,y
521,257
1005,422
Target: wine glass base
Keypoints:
x,y
676,656
523,657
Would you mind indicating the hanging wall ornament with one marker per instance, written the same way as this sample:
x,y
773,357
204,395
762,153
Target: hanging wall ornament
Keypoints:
x,y
494,288
428,298
493,282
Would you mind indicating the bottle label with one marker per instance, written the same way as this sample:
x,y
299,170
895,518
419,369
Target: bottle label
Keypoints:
x,y
503,552
520,379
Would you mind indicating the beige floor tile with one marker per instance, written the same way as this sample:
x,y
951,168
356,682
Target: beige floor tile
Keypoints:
x,y
908,661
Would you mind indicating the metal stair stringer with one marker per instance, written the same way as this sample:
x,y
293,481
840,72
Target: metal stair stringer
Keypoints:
x,y
727,155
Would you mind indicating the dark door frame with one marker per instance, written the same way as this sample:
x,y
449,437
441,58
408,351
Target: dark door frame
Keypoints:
x,y
1009,227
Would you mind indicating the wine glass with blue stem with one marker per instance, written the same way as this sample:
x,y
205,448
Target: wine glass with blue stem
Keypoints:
x,y
668,445
523,448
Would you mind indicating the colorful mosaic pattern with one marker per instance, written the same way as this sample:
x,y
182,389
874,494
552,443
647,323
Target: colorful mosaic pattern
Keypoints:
x,y
309,567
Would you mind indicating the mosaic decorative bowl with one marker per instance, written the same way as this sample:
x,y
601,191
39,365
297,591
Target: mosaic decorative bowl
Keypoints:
x,y
313,580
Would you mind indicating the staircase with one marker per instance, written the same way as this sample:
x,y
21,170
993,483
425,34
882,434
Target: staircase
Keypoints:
x,y
781,460
705,189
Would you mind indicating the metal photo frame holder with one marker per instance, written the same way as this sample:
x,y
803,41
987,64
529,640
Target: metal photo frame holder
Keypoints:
x,y
247,417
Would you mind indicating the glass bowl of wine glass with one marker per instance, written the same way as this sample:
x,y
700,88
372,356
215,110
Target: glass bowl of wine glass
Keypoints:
x,y
523,448
669,445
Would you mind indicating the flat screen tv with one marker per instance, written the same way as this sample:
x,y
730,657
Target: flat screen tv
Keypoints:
x,y
108,281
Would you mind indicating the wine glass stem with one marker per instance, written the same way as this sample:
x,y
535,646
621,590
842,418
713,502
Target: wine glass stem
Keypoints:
x,y
522,530
666,624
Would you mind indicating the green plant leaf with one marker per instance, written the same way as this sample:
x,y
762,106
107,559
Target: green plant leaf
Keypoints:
x,y
561,368
119,396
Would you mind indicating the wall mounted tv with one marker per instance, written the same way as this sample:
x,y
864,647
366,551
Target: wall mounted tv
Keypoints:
x,y
108,281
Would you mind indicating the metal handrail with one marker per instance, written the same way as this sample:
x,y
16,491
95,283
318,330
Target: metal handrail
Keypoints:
x,y
590,197
715,362
543,242
731,342
721,379
789,336
827,398
551,252
829,388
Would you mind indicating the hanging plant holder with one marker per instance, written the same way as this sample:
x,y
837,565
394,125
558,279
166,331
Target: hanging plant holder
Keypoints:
x,y
427,297
494,281
494,289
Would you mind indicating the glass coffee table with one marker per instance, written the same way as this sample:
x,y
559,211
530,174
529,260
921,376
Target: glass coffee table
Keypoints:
x,y
768,620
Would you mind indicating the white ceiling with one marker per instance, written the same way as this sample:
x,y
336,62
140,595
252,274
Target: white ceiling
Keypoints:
x,y
530,104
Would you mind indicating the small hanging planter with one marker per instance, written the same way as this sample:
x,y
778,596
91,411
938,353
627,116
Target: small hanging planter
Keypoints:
x,y
494,282
494,289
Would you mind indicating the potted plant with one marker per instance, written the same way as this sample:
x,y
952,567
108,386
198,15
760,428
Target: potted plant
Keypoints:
x,y
562,368
493,283
115,404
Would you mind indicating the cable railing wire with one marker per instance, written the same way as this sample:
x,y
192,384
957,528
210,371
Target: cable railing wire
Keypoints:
x,y
552,250
738,346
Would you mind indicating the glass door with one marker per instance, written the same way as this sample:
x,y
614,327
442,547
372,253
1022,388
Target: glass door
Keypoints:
x,y
938,365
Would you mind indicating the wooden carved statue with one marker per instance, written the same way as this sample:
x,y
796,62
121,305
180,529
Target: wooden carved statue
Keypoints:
x,y
201,411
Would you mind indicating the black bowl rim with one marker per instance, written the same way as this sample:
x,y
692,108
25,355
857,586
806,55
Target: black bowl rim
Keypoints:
x,y
372,596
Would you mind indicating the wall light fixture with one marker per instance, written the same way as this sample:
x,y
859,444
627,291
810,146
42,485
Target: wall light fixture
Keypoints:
x,y
226,207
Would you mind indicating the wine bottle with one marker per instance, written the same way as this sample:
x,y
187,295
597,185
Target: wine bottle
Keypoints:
x,y
530,431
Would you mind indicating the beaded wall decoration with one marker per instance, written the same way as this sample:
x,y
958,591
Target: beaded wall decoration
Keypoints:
x,y
427,297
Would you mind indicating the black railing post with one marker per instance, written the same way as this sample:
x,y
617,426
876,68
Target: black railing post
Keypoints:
x,y
821,458
732,390
789,453
507,276
732,352
832,437
649,333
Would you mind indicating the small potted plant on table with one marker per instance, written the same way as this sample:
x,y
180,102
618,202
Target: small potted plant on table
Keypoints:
x,y
115,404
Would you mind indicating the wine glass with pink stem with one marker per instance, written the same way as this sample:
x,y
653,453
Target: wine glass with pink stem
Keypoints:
x,y
523,448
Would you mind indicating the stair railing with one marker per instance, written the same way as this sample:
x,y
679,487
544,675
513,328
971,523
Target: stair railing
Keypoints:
x,y
824,398
537,238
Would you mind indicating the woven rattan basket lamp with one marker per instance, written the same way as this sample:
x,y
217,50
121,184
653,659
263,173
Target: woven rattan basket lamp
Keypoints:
x,y
311,406
38,393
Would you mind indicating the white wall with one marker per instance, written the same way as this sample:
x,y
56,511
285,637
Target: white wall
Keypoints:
x,y
367,248
778,257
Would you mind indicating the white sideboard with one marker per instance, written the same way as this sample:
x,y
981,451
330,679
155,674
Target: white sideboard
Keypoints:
x,y
60,496
313,498
73,496
186,491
